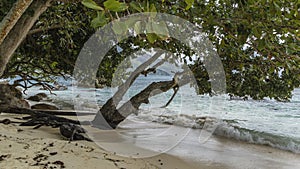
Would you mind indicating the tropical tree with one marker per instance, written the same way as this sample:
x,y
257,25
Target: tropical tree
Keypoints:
x,y
257,41
51,46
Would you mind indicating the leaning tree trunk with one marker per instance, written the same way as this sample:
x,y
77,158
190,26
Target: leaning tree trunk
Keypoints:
x,y
108,113
15,31
111,117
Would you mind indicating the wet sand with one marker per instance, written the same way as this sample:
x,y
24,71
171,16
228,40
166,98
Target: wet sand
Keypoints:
x,y
24,147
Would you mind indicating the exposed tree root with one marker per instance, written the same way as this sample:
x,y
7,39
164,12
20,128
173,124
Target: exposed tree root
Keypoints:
x,y
68,128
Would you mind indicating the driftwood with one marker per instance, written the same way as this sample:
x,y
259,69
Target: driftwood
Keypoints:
x,y
67,112
69,128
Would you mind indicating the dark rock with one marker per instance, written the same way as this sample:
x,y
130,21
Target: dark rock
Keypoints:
x,y
2,157
40,157
58,163
44,106
53,153
5,121
10,96
73,132
56,88
34,98
59,88
38,97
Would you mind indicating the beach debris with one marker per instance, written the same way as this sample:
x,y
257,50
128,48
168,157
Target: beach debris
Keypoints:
x,y
44,106
5,121
62,164
3,157
73,132
68,128
8,121
52,153
20,130
40,157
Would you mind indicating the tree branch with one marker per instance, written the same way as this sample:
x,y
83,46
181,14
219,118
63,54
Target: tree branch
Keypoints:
x,y
113,102
38,30
176,88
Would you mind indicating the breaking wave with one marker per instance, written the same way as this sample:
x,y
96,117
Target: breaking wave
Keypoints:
x,y
228,128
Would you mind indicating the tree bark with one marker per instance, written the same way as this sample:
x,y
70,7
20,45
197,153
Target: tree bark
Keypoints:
x,y
110,118
108,112
153,89
12,17
20,29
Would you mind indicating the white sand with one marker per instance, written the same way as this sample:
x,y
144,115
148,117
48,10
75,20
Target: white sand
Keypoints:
x,y
23,147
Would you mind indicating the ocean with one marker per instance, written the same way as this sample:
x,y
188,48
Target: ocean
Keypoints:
x,y
266,122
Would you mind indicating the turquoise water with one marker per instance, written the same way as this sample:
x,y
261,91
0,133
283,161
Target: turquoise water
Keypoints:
x,y
267,122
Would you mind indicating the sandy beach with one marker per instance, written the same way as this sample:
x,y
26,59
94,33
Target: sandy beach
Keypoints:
x,y
24,147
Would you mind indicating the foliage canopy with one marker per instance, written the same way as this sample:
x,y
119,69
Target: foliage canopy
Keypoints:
x,y
257,41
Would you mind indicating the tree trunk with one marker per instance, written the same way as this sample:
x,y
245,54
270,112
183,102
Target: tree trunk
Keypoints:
x,y
110,117
108,112
153,89
18,33
12,17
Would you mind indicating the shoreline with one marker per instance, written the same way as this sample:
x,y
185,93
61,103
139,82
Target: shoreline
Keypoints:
x,y
24,147
236,154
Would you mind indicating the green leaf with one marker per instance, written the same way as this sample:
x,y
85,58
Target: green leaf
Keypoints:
x,y
151,37
257,33
277,6
160,28
115,6
261,44
54,64
99,21
153,10
138,27
91,4
131,22
119,28
149,28
135,6
189,4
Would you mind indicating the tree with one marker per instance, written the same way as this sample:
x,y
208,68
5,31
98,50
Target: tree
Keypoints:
x,y
15,27
51,46
257,41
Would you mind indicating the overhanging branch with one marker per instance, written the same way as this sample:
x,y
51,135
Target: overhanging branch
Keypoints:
x,y
39,30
